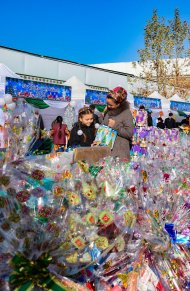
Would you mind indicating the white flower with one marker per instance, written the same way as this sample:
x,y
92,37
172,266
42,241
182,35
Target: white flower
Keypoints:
x,y
80,132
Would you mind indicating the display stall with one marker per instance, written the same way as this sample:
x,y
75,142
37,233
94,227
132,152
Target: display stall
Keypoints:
x,y
164,101
6,101
111,225
179,104
51,100
106,224
149,103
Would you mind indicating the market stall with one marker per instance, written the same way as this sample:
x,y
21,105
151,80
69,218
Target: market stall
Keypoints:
x,y
179,104
113,225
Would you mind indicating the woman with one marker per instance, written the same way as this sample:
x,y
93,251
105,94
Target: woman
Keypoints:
x,y
59,133
118,116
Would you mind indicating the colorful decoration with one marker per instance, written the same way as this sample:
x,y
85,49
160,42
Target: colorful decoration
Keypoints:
x,y
106,136
69,116
114,225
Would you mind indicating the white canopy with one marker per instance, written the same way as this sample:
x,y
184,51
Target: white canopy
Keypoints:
x,y
130,98
57,107
176,98
165,101
78,88
6,72
155,95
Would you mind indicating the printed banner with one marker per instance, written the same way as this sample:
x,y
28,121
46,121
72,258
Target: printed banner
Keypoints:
x,y
95,97
181,106
147,102
37,90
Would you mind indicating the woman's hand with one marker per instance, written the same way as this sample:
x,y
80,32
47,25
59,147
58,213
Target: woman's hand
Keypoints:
x,y
111,123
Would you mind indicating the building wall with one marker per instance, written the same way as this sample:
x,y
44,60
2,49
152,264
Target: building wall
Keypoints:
x,y
39,66
137,70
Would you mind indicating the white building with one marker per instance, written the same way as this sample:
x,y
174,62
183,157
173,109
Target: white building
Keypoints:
x,y
136,69
47,69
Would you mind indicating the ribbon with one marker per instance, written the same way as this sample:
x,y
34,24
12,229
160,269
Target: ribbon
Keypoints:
x,y
169,227
94,170
29,273
183,239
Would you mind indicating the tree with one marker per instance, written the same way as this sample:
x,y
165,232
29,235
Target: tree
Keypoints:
x,y
151,57
164,47
180,35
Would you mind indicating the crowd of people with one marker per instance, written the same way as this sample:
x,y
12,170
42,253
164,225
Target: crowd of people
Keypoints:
x,y
169,122
117,116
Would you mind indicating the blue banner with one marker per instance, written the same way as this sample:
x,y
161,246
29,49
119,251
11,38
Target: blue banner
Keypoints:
x,y
149,103
95,97
181,106
37,90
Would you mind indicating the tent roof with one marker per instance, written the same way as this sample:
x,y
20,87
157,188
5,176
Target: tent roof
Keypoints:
x,y
78,88
6,72
156,95
176,98
165,101
74,81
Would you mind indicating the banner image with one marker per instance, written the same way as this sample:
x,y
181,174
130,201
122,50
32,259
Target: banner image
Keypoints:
x,y
37,90
147,102
181,106
95,97
106,136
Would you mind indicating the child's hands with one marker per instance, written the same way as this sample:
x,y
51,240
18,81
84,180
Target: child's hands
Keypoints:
x,y
111,123
95,143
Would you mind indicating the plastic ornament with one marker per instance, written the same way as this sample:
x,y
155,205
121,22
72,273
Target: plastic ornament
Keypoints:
x,y
97,125
69,116
72,103
80,132
11,106
8,98
2,101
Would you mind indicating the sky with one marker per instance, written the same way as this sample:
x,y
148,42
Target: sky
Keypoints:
x,y
84,31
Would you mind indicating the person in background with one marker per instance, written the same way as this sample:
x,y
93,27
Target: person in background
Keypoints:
x,y
39,124
185,121
83,132
92,108
37,139
149,119
59,134
118,117
160,123
170,121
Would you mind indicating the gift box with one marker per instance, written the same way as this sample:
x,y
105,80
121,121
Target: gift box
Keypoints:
x,y
106,136
91,154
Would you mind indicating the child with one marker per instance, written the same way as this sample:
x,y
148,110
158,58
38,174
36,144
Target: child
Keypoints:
x,y
84,131
59,133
